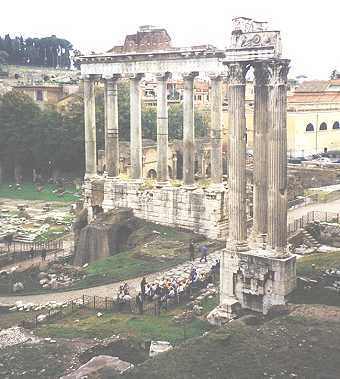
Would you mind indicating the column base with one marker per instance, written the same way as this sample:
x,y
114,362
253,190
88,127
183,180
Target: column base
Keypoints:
x,y
189,186
237,246
258,279
216,186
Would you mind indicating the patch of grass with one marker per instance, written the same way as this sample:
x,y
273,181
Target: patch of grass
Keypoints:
x,y
140,327
157,248
284,348
311,264
28,192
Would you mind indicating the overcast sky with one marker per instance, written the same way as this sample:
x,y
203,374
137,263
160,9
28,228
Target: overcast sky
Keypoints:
x,y
310,33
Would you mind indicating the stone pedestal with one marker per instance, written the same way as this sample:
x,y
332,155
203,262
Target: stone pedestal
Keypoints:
x,y
257,279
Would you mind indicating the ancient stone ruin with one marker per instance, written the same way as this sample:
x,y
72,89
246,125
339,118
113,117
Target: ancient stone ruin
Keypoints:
x,y
256,270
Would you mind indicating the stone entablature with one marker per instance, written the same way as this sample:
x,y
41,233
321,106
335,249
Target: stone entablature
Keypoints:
x,y
203,211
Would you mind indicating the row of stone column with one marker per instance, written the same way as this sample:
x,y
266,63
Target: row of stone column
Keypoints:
x,y
112,127
270,156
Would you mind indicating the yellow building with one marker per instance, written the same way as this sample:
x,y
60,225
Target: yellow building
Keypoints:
x,y
313,119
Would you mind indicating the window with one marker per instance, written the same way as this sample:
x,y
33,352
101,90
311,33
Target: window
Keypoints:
x,y
336,125
323,126
39,95
310,128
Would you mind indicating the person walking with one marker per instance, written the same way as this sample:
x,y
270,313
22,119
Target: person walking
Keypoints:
x,y
204,253
192,250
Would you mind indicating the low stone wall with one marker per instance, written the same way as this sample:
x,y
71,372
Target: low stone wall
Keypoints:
x,y
202,211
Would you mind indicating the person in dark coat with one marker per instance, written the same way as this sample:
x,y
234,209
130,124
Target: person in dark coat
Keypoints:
x,y
192,250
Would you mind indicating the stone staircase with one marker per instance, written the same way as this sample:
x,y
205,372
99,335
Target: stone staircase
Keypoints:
x,y
309,240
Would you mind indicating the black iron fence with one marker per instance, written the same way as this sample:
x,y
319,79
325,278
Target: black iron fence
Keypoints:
x,y
310,217
153,307
21,251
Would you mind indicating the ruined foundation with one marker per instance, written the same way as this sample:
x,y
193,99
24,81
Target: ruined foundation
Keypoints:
x,y
202,211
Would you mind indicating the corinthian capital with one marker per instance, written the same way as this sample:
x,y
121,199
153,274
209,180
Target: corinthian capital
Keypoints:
x,y
237,73
189,75
278,71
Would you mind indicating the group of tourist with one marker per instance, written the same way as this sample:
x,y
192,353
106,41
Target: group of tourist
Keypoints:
x,y
170,288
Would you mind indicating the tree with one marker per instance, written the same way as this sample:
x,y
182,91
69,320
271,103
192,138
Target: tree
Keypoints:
x,y
18,115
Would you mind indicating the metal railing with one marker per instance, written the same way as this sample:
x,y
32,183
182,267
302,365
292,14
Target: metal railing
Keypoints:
x,y
310,217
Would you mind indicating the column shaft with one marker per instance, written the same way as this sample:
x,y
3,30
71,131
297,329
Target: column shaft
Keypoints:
x,y
237,158
112,129
162,129
216,99
188,130
90,127
260,195
277,156
136,128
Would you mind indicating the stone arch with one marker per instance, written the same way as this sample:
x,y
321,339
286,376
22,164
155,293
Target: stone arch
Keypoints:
x,y
336,125
152,174
323,126
310,128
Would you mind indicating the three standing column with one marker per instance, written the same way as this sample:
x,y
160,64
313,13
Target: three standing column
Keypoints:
x,y
136,128
188,129
260,197
90,127
277,156
162,129
216,129
112,129
237,158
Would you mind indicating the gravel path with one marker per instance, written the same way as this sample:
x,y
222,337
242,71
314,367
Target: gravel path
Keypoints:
x,y
110,290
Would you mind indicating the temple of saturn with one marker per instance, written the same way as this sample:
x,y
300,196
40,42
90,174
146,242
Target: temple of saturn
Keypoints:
x,y
257,271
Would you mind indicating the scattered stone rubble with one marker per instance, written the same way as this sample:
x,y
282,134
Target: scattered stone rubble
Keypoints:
x,y
29,224
14,336
103,366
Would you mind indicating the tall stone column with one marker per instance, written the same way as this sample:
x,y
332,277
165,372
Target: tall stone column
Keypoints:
x,y
277,156
237,158
112,129
188,129
162,129
260,195
216,99
90,127
136,128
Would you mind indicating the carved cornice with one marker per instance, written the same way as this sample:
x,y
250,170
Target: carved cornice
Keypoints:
x,y
237,73
278,72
